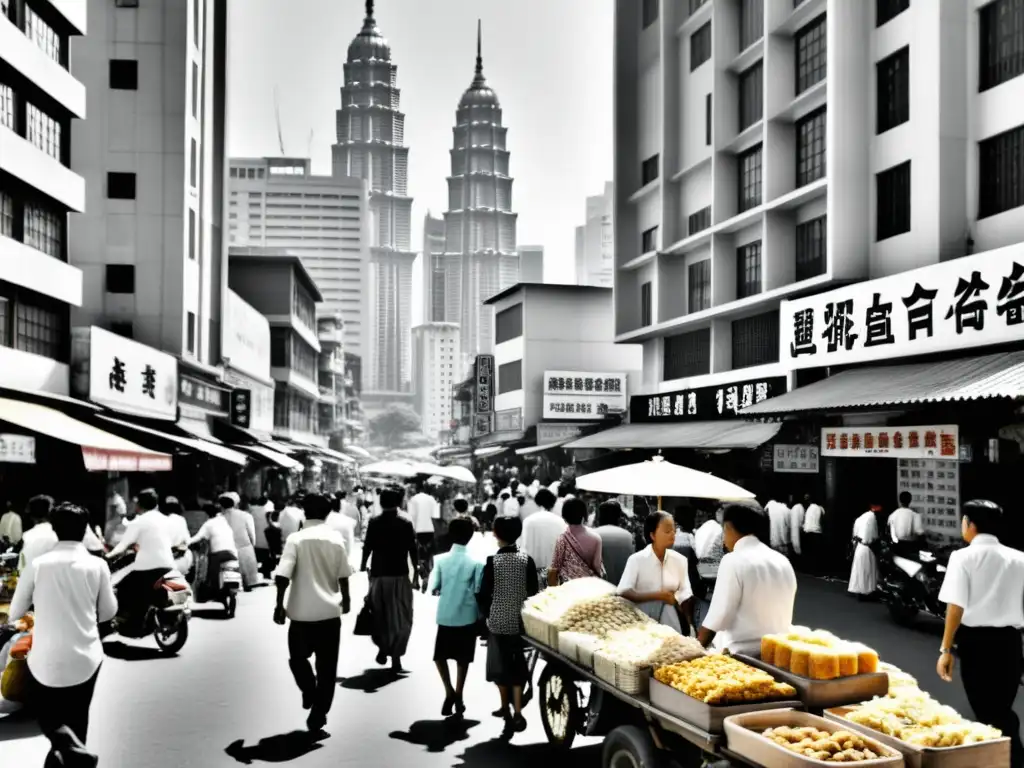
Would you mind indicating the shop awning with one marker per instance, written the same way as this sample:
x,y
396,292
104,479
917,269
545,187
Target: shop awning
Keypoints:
x,y
357,452
275,458
274,445
101,451
344,458
541,448
698,435
217,450
494,450
971,378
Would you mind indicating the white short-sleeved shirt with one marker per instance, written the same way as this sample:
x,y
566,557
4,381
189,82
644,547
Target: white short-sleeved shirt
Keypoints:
x,y
796,525
38,540
645,573
151,533
812,518
421,511
290,521
778,520
217,531
314,560
905,524
754,595
540,534
986,579
705,536
344,525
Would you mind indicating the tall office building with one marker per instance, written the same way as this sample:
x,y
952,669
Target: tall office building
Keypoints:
x,y
531,263
433,269
595,246
436,370
41,97
151,241
370,146
480,227
278,203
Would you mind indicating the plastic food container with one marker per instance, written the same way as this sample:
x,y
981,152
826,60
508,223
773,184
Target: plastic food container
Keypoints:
x,y
821,694
709,717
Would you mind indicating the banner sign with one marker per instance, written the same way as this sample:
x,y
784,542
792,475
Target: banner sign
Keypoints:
x,y
556,433
934,485
942,442
704,403
484,383
241,407
969,302
795,458
17,449
583,396
510,420
482,424
201,394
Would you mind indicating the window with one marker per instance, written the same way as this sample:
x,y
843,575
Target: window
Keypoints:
x,y
648,170
510,377
646,310
191,331
508,324
699,221
8,113
649,240
43,35
1001,43
124,74
810,249
707,120
751,95
893,217
748,270
192,234
120,278
887,10
303,306
120,185
650,12
280,341
755,340
810,55
810,148
193,160
195,93
1001,173
127,330
751,22
40,330
700,46
893,73
43,131
750,179
688,354
699,286
6,214
44,230
5,313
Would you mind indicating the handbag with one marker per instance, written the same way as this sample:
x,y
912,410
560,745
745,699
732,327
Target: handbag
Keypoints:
x,y
14,683
364,621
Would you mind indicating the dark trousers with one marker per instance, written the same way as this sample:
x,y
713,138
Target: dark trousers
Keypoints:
x,y
320,639
135,592
265,561
67,709
991,664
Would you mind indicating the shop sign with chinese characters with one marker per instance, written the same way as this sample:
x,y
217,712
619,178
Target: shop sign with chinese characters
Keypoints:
x,y
556,433
583,396
935,442
969,302
482,424
201,394
796,458
704,403
123,375
484,383
935,486
17,449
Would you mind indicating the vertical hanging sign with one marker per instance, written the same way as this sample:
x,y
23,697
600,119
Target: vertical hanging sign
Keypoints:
x,y
484,383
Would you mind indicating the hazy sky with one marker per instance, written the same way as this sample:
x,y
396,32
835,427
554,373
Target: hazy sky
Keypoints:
x,y
549,61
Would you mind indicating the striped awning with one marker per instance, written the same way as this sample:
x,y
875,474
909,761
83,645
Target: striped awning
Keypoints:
x,y
698,435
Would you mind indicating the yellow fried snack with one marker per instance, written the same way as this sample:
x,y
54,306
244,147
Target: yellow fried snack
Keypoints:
x,y
913,716
783,652
800,661
839,747
848,661
768,644
722,680
823,664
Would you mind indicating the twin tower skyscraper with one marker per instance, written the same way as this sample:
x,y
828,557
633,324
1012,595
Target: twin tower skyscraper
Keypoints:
x,y
479,256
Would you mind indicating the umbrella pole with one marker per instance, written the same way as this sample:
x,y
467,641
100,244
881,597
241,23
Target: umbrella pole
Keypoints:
x,y
659,503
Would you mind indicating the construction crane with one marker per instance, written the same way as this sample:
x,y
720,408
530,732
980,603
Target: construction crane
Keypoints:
x,y
277,116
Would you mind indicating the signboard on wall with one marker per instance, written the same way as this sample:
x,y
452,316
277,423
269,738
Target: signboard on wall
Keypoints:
x,y
934,442
261,402
482,424
202,394
510,420
704,403
556,433
484,383
246,341
17,449
969,302
795,458
935,486
583,396
241,407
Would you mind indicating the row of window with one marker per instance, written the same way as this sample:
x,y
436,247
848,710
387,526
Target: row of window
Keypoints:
x,y
32,324
755,341
40,129
293,411
508,324
33,223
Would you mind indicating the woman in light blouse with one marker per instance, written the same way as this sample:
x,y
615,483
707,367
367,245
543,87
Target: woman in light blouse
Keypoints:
x,y
656,578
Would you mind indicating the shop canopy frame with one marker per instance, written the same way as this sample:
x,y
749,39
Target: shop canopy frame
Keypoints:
x,y
261,451
215,449
533,449
727,434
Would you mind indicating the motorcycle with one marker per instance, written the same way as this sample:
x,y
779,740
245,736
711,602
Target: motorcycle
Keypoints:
x,y
909,585
229,581
166,617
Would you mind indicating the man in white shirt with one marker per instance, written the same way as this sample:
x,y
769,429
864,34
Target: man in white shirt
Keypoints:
x,y
906,527
40,538
343,524
260,512
540,533
796,526
705,537
149,532
982,591
813,538
177,529
422,509
529,505
348,508
315,565
291,520
511,505
756,587
71,592
216,531
11,528
778,522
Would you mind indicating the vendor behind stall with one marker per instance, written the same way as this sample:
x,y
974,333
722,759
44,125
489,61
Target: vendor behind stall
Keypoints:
x,y
756,586
656,578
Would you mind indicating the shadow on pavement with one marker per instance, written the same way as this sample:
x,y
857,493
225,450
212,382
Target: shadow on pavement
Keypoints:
x,y
436,735
115,649
213,611
498,754
371,681
18,725
276,749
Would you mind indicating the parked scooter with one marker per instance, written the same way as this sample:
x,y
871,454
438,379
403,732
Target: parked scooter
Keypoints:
x,y
910,585
166,617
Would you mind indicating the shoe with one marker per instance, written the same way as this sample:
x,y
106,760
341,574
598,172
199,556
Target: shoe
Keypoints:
x,y
307,699
396,665
460,706
449,705
519,723
315,722
508,731
500,713
382,658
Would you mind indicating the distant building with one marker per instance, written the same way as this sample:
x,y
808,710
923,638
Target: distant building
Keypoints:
x,y
595,241
531,263
436,369
434,273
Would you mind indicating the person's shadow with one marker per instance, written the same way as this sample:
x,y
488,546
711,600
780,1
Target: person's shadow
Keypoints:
x,y
436,735
116,649
371,681
282,748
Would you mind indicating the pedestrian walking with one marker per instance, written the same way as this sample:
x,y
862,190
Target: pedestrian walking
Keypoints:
x,y
540,533
984,616
243,530
260,512
813,538
616,541
71,593
796,528
864,572
40,538
291,518
343,524
906,527
11,528
389,547
314,573
577,552
778,526
456,579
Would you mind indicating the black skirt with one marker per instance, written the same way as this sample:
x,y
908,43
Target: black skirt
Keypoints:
x,y
506,661
456,644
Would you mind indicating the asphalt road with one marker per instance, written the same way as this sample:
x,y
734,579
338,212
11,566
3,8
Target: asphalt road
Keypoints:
x,y
228,699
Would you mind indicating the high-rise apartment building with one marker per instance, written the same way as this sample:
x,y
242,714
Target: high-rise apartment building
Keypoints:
x,y
437,369
370,146
279,203
531,263
595,246
434,273
41,97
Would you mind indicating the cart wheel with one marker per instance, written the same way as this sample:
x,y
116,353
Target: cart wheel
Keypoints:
x,y
560,710
630,747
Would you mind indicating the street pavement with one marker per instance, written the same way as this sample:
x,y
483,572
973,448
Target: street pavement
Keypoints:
x,y
228,698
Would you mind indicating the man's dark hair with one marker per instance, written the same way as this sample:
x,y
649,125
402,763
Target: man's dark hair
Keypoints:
x,y
505,494
545,499
148,499
565,489
211,510
461,529
39,508
986,516
340,495
391,498
335,503
461,506
905,499
316,506
171,506
513,484
70,522
508,528
746,520
609,513
574,511
652,522
226,502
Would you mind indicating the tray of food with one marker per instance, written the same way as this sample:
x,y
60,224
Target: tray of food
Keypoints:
x,y
708,689
784,738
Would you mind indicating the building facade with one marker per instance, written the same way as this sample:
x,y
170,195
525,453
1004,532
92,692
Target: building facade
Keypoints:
x,y
42,96
437,369
531,263
370,146
595,242
434,273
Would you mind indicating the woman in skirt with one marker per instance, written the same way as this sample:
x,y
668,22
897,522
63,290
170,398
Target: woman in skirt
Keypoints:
x,y
456,579
509,578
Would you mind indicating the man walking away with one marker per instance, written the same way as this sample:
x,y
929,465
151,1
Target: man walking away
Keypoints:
x,y
314,571
422,510
342,523
796,527
814,538
616,541
40,538
71,592
291,519
11,528
150,532
982,591
259,511
906,528
778,526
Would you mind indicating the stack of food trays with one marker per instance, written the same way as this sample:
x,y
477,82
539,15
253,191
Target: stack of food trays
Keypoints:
x,y
625,657
543,613
707,690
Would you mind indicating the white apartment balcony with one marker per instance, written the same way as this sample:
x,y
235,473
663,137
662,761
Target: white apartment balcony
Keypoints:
x,y
74,13
25,266
22,54
23,160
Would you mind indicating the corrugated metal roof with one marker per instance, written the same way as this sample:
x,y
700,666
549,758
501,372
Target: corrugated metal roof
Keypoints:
x,y
972,378
710,435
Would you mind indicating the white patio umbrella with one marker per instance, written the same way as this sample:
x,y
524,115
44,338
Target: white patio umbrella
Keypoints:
x,y
401,469
658,477
458,474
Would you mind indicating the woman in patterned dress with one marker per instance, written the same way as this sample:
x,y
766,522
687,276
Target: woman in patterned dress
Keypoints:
x,y
578,550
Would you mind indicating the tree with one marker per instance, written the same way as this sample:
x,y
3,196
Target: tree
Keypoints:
x,y
392,423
